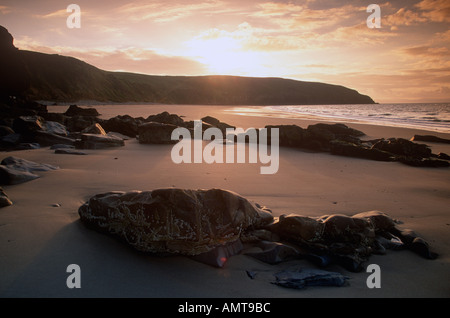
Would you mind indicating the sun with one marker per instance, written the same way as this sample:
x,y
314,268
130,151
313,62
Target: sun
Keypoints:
x,y
224,54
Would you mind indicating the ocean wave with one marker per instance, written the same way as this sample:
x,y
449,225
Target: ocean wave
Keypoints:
x,y
420,116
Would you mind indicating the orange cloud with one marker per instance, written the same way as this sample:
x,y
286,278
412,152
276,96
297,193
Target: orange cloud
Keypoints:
x,y
427,51
435,10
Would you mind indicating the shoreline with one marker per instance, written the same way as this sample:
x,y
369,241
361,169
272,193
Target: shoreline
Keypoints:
x,y
304,120
39,240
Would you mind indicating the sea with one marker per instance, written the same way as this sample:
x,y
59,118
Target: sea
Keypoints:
x,y
426,116
432,117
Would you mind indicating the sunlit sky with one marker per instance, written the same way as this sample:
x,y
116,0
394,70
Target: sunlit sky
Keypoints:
x,y
406,60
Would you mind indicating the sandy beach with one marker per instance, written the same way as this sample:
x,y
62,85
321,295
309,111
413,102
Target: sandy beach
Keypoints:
x,y
39,240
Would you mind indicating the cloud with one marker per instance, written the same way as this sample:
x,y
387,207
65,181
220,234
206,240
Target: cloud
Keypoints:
x,y
435,10
427,51
5,10
404,17
55,14
423,12
166,11
289,16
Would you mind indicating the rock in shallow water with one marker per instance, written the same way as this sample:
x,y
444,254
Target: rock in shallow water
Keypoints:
x,y
188,222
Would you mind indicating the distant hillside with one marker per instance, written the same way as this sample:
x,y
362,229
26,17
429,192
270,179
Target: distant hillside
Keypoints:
x,y
59,78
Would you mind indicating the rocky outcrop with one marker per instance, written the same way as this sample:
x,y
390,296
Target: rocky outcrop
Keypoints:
x,y
187,222
338,139
212,225
346,240
319,136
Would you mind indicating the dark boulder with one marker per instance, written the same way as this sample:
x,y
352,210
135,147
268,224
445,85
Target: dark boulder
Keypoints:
x,y
55,127
175,221
45,139
15,170
78,123
335,131
11,176
57,117
290,135
166,118
28,125
125,125
74,110
156,133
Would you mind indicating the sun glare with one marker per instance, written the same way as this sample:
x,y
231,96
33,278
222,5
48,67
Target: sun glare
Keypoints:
x,y
224,54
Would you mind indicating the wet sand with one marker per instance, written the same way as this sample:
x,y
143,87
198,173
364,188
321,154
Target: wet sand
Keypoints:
x,y
39,241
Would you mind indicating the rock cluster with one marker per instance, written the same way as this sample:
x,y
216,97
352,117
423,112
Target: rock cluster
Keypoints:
x,y
28,125
212,225
345,240
35,127
338,139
